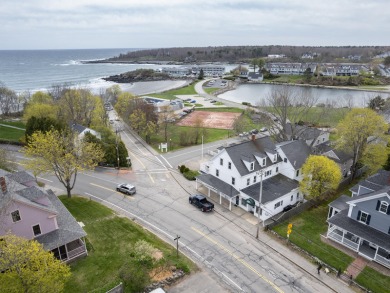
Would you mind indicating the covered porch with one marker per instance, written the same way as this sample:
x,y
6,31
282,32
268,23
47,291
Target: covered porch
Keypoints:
x,y
70,251
370,245
222,189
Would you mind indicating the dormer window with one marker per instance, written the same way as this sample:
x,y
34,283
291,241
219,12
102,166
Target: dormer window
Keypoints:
x,y
252,166
383,207
275,158
263,162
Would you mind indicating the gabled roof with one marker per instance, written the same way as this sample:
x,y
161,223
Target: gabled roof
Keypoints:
x,y
68,228
21,177
366,232
341,156
77,127
250,149
218,184
374,182
296,151
273,188
341,202
302,131
373,195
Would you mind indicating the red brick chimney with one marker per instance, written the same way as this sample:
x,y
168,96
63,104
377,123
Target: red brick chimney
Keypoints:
x,y
3,185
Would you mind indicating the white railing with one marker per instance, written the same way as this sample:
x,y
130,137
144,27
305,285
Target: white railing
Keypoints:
x,y
77,251
350,243
335,236
382,260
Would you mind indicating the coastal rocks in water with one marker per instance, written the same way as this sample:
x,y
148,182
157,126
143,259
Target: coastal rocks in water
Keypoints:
x,y
138,75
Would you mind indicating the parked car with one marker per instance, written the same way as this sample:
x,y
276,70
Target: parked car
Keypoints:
x,y
201,203
263,129
254,131
213,101
287,208
126,188
193,101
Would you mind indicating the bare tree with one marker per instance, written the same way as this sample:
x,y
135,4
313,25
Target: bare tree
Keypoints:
x,y
285,107
165,117
8,100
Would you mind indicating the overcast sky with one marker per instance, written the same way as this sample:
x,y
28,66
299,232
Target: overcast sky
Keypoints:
x,y
71,24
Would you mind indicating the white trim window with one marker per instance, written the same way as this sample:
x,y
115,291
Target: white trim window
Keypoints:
x,y
248,181
252,166
364,217
383,207
229,165
217,172
278,204
233,180
16,216
221,161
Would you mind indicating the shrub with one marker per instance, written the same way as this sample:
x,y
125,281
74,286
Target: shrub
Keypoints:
x,y
190,174
135,276
182,168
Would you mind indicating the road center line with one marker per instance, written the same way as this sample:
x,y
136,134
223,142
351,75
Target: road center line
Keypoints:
x,y
238,259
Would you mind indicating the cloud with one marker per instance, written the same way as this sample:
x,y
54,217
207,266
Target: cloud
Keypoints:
x,y
160,23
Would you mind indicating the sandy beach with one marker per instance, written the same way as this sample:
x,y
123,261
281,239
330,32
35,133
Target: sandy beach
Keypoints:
x,y
150,87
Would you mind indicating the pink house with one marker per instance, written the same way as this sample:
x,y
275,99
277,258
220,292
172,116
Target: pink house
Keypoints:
x,y
29,211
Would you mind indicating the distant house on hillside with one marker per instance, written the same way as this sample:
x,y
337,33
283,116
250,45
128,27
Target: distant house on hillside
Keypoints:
x,y
255,76
31,212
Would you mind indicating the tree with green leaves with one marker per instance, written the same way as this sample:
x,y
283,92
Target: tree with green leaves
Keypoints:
x,y
355,129
43,124
63,154
374,157
320,174
26,267
377,103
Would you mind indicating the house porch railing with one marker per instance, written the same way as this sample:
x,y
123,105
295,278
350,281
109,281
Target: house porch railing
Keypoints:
x,y
76,252
382,260
339,236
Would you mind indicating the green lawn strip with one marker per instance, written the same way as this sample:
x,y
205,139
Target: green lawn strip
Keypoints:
x,y
374,281
210,90
110,240
12,134
306,231
14,123
187,90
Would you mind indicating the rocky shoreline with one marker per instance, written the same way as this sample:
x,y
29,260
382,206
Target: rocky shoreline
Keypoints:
x,y
139,75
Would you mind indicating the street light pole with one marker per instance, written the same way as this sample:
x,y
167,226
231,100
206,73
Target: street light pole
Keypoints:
x,y
202,147
260,172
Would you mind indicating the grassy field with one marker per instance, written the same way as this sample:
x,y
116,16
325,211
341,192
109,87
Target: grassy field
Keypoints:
x,y
321,116
374,281
171,94
210,90
12,134
110,243
306,231
174,134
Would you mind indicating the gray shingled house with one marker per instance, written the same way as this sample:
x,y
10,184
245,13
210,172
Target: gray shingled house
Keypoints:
x,y
362,222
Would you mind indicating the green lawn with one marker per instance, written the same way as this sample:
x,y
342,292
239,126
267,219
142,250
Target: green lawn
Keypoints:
x,y
306,231
175,136
210,90
12,134
374,281
321,116
110,240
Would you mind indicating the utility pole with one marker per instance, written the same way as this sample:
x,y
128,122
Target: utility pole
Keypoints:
x,y
117,146
260,172
177,244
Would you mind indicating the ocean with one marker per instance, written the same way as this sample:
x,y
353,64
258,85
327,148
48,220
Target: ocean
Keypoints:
x,y
38,70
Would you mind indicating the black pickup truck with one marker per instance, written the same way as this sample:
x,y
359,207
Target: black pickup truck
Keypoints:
x,y
201,202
